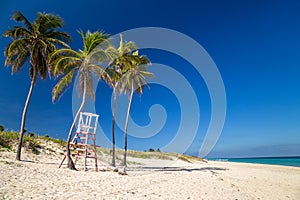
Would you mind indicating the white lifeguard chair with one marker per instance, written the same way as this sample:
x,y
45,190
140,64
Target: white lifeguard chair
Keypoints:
x,y
84,141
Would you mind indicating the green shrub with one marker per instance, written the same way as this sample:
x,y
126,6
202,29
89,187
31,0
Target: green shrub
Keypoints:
x,y
1,128
31,134
6,138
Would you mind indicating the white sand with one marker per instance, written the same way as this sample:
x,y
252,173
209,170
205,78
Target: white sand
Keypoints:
x,y
40,178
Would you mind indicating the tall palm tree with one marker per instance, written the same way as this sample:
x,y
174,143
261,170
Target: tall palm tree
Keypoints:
x,y
33,42
133,80
115,70
85,63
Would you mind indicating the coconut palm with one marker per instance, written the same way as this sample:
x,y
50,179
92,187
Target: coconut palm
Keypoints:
x,y
85,63
33,42
132,81
115,70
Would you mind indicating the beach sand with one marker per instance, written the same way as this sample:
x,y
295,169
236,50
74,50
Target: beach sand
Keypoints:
x,y
38,177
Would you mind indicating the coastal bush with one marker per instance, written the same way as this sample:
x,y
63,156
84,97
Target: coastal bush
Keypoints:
x,y
31,134
188,158
6,138
31,141
55,140
1,128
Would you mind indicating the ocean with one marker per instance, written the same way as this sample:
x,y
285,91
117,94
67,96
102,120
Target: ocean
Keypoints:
x,y
286,161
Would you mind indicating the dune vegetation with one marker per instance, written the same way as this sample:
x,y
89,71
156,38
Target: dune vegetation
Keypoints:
x,y
38,144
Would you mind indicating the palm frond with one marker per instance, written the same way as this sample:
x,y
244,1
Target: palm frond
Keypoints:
x,y
19,17
15,46
64,52
12,54
47,22
20,60
42,66
58,42
62,85
101,73
63,63
17,32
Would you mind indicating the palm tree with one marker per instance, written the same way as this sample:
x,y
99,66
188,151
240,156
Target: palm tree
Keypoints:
x,y
133,80
33,42
85,63
115,72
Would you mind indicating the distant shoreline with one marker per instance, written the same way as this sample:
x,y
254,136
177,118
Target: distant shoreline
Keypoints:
x,y
293,161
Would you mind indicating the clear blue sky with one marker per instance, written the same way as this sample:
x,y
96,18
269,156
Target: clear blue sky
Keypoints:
x,y
255,45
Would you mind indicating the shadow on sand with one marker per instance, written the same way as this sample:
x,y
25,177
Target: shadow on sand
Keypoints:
x,y
40,162
174,169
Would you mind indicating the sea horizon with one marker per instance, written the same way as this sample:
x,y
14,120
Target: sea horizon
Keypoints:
x,y
293,161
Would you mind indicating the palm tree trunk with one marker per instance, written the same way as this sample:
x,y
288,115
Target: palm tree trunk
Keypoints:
x,y
18,157
126,127
113,162
71,164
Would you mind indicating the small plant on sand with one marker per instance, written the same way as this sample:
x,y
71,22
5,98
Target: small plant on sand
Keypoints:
x,y
188,158
55,140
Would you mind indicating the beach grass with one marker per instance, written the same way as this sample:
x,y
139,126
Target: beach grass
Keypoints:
x,y
31,141
138,154
34,142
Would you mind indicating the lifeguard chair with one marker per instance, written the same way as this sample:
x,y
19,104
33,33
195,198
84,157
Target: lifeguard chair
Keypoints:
x,y
84,141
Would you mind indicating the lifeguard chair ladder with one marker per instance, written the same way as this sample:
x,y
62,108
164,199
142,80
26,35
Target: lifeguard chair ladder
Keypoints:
x,y
84,141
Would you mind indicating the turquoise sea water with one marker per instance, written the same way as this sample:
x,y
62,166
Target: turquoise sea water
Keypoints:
x,y
287,161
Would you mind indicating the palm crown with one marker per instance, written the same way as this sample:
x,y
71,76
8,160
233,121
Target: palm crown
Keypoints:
x,y
34,42
67,62
134,77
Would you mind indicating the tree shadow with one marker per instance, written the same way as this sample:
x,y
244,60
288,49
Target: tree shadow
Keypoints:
x,y
175,169
40,162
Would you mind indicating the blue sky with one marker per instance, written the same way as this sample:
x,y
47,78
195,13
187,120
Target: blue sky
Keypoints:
x,y
254,44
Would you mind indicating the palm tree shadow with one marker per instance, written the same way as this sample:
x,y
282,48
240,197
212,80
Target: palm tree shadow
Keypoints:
x,y
175,169
39,162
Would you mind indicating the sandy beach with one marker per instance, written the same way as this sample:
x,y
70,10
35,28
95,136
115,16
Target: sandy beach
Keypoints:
x,y
38,177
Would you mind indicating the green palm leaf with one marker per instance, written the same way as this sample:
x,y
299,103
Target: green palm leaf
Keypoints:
x,y
62,85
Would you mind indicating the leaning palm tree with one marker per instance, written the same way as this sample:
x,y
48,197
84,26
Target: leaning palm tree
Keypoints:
x,y
115,70
85,63
33,42
133,80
